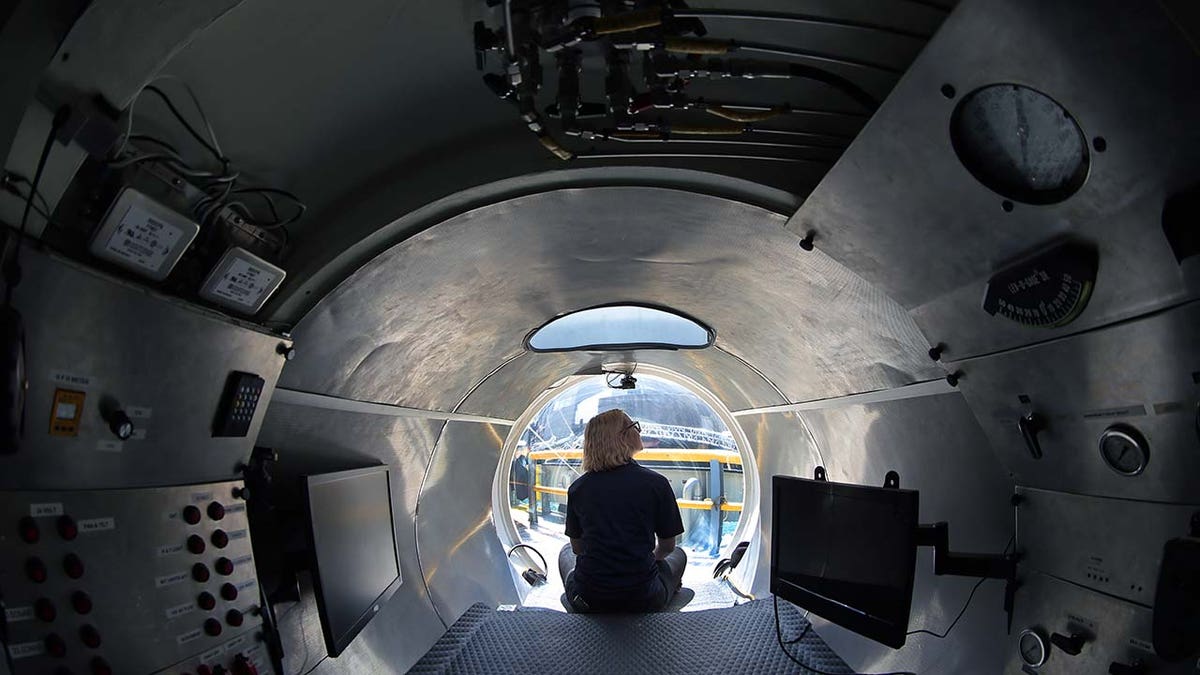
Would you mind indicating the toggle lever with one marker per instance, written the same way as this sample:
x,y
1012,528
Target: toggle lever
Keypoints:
x,y
1031,425
1072,644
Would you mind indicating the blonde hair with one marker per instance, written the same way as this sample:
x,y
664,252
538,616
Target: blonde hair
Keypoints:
x,y
607,441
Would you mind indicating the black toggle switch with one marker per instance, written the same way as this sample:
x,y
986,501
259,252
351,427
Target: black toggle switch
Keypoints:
x,y
120,424
1117,668
1072,644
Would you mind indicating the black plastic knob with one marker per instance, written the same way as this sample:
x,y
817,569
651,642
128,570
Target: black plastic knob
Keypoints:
x,y
100,667
195,544
191,515
55,645
206,601
44,610
224,566
81,602
67,529
73,565
234,618
220,539
1069,644
120,424
89,636
229,592
1117,668
216,511
212,627
35,569
200,572
28,529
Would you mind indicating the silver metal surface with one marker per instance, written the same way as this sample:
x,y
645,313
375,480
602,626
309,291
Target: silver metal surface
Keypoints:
x,y
939,450
304,398
164,362
461,554
1137,373
900,210
1116,631
918,390
136,570
1113,546
322,440
810,326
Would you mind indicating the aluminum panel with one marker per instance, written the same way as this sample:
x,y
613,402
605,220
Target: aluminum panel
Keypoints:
x,y
937,448
162,361
900,209
1113,546
1117,631
408,328
329,440
1140,372
461,554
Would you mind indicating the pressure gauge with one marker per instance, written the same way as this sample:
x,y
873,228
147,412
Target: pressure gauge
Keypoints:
x,y
1033,648
1124,449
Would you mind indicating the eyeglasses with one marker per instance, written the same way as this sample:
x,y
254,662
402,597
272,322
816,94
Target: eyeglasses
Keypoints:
x,y
633,425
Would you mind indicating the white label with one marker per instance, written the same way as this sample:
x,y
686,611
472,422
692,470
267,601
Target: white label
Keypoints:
x,y
72,379
235,508
15,614
97,524
189,636
138,435
244,283
235,644
139,413
243,560
198,497
179,610
51,509
65,411
506,608
110,446
171,579
212,654
237,534
245,584
169,549
26,649
142,239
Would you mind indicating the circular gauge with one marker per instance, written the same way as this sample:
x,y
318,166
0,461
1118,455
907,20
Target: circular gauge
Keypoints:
x,y
1033,648
1124,449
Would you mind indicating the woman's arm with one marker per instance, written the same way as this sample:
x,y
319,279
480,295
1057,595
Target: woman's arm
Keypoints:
x,y
664,547
577,545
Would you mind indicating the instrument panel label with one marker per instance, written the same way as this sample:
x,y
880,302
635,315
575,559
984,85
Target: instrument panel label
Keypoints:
x,y
198,497
15,614
169,549
1144,645
39,510
237,534
72,379
245,584
234,644
190,636
97,524
212,654
235,508
110,446
171,579
1126,411
179,610
139,412
26,649
138,435
243,560
142,239
244,283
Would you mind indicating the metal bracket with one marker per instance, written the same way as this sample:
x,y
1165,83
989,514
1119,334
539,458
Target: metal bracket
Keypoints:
x,y
819,473
985,565
891,480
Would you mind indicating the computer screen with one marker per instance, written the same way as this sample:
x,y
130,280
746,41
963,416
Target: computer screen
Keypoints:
x,y
353,562
846,552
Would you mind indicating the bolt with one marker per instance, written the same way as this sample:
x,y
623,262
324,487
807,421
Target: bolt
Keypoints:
x,y
954,377
807,242
935,352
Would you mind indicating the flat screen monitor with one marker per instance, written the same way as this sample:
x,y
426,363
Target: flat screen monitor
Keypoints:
x,y
845,552
353,562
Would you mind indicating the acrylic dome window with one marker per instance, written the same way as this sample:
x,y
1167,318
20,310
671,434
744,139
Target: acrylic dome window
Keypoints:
x,y
620,327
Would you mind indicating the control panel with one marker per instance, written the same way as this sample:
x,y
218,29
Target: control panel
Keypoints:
x,y
148,580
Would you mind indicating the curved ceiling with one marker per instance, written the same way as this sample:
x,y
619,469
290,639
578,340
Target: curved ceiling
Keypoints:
x,y
424,322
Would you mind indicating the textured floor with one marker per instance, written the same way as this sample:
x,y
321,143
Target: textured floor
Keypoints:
x,y
537,642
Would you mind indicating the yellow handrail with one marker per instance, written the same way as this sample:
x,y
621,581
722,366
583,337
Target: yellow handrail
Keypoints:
x,y
698,504
652,455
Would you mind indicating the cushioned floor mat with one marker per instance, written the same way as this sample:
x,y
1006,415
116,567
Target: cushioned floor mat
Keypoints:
x,y
539,642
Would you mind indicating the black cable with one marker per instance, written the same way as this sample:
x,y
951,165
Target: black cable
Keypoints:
x,y
150,139
782,646
966,604
545,567
301,207
186,125
12,275
803,634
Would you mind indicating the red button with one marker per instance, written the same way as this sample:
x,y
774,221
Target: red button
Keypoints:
x,y
36,569
67,528
100,666
224,566
29,530
191,515
220,539
233,618
229,592
195,544
200,572
44,610
81,602
55,645
72,565
212,627
216,511
243,666
203,670
90,636
206,601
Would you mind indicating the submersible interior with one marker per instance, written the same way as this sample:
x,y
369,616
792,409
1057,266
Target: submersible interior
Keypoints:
x,y
942,247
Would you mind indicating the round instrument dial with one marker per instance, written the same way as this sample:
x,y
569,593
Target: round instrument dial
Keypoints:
x,y
1033,648
1124,449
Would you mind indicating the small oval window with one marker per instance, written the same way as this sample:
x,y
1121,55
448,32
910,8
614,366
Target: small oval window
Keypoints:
x,y
620,327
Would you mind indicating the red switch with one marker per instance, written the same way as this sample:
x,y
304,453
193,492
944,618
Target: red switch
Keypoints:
x,y
224,566
100,666
90,636
36,570
229,592
191,515
67,529
29,530
206,601
216,511
234,618
44,610
203,669
72,565
55,646
195,544
82,602
212,627
243,666
200,572
220,539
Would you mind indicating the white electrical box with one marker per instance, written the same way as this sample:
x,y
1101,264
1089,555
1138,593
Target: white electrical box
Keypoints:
x,y
241,281
143,235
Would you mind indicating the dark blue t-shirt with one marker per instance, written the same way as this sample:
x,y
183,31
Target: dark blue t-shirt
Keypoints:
x,y
617,514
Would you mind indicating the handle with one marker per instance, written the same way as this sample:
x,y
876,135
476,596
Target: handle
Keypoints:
x,y
1117,668
1069,645
1030,425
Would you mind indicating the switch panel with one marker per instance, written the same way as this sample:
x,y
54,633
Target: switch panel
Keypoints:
x,y
109,580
